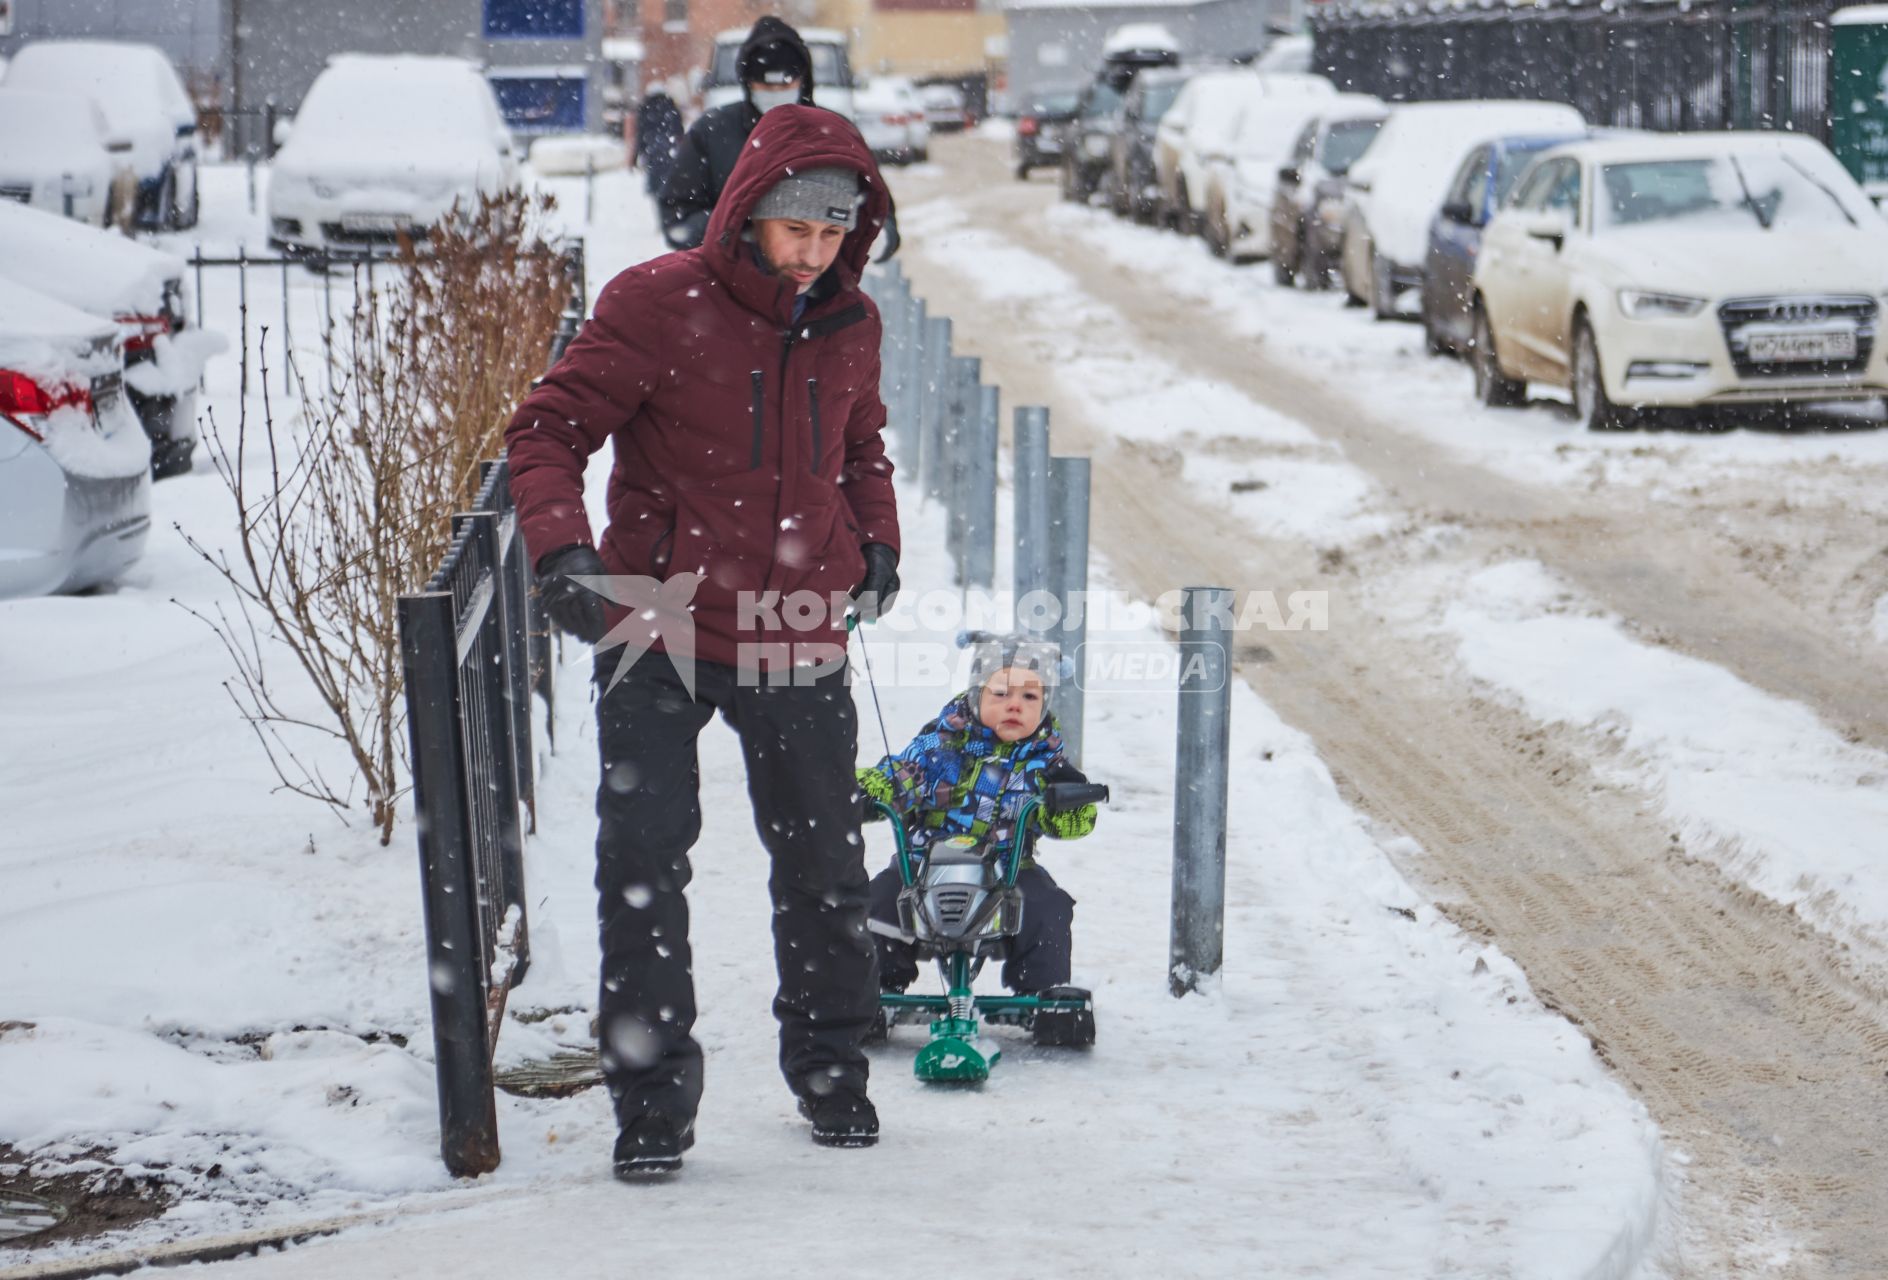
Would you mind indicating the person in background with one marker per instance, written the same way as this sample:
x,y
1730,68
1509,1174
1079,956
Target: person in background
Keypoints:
x,y
658,138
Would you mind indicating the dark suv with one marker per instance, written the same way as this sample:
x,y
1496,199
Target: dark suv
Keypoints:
x,y
1039,129
1088,140
1133,189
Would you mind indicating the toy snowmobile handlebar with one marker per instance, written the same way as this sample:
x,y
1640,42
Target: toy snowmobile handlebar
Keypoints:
x,y
1065,797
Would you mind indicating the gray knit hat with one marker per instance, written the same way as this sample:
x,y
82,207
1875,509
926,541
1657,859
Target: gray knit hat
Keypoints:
x,y
817,195
994,653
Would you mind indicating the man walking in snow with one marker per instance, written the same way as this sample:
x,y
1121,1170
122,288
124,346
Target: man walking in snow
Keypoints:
x,y
738,383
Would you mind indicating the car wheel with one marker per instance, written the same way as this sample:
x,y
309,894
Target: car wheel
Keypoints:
x,y
1213,230
1433,339
1382,288
1492,387
1314,269
1182,210
1022,172
196,200
1591,406
1285,266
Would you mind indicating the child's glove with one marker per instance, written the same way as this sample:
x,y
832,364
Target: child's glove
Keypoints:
x,y
874,786
1072,825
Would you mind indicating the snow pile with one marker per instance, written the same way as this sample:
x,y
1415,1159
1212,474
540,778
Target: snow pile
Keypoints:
x,y
575,154
1752,781
177,363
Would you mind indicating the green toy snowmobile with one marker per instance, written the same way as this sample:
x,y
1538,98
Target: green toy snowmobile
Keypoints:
x,y
960,906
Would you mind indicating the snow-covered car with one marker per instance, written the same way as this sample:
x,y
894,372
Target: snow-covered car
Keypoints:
x,y
1286,55
944,107
1195,136
1239,192
385,146
1455,236
891,118
53,157
1133,186
1393,193
148,116
832,69
1683,271
1308,200
142,291
75,470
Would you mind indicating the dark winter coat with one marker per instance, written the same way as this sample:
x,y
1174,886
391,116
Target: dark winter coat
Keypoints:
x,y
658,137
747,445
711,147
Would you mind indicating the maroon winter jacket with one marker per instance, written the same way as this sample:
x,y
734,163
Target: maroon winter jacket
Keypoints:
x,y
747,445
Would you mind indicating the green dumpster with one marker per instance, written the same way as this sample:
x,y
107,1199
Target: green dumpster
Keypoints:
x,y
1858,94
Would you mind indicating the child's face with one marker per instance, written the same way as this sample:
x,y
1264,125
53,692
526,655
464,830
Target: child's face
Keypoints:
x,y
1011,703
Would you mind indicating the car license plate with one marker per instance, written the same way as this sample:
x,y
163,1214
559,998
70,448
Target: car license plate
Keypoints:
x,y
1799,346
375,222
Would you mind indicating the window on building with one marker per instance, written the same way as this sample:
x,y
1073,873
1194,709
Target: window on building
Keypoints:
x,y
675,13
534,19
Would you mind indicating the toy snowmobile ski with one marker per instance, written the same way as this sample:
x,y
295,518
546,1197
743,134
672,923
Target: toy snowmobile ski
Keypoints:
x,y
960,906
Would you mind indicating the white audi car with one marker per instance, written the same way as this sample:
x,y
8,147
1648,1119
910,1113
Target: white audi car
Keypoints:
x,y
385,146
1683,271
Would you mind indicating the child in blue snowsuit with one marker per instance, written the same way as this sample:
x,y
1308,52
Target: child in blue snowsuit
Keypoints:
x,y
968,773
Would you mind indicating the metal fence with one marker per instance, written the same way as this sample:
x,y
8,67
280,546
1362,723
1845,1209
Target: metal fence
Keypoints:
x,y
474,646
1694,64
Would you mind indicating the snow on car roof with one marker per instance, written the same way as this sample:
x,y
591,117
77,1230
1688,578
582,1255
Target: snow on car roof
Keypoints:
x,y
812,35
1861,15
129,81
99,271
1667,146
1139,35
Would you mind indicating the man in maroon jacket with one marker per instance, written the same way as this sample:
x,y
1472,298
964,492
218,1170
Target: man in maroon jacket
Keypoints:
x,y
738,383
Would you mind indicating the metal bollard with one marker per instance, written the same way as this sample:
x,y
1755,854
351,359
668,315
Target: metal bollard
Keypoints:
x,y
917,328
1197,942
1030,522
960,427
980,492
937,398
1068,537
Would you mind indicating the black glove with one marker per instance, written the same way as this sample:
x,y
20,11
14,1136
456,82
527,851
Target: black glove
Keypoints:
x,y
873,597
574,608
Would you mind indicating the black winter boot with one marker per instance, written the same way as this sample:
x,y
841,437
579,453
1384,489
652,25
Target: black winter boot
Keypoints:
x,y
842,1118
651,1146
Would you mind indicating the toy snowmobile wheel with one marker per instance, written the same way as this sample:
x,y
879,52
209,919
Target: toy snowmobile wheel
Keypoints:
x,y
881,1029
1072,1028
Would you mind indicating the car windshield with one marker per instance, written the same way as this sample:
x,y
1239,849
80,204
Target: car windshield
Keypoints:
x,y
1514,163
1056,104
829,66
1757,189
1102,102
1158,98
1345,141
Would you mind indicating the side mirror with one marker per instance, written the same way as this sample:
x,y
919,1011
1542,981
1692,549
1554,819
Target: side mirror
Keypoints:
x,y
1063,797
186,128
282,129
1458,211
1289,175
118,146
1550,225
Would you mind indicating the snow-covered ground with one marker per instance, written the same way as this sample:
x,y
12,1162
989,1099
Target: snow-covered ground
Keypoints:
x,y
225,984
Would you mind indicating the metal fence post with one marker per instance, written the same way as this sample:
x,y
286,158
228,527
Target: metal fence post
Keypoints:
x,y
917,330
1030,514
1068,517
462,1060
960,428
980,492
1196,946
937,398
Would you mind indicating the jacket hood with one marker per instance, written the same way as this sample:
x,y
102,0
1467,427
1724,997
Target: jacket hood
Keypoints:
x,y
790,140
771,30
958,721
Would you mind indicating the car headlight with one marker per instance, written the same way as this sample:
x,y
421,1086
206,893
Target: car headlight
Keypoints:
x,y
1644,304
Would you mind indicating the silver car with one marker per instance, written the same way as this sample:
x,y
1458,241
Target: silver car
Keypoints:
x,y
75,466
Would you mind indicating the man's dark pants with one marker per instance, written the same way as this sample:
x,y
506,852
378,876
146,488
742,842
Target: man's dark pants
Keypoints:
x,y
800,742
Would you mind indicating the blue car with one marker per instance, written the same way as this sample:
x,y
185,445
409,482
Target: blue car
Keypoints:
x,y
1455,237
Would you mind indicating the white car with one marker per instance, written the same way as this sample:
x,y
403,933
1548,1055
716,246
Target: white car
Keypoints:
x,y
832,69
1196,135
944,107
75,468
1683,270
891,118
148,115
1392,194
53,157
385,146
140,289
1241,190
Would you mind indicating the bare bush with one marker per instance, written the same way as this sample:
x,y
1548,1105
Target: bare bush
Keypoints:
x,y
346,503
